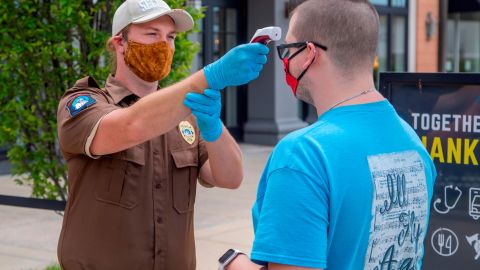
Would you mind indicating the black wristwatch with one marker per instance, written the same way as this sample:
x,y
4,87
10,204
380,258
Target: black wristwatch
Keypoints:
x,y
228,258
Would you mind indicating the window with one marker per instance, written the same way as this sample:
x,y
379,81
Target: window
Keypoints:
x,y
463,42
399,42
392,3
392,48
399,3
380,2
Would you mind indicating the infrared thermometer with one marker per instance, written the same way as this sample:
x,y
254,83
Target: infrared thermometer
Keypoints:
x,y
267,34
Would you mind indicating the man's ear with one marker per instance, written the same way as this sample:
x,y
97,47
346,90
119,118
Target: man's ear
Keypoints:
x,y
119,44
312,54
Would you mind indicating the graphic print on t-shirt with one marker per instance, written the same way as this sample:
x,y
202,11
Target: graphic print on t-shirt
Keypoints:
x,y
399,211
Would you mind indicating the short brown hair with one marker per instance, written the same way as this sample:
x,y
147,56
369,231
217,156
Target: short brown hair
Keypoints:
x,y
112,53
348,28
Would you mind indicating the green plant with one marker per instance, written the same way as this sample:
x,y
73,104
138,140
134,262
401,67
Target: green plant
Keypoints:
x,y
53,267
45,46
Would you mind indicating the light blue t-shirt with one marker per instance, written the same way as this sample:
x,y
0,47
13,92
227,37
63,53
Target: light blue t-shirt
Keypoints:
x,y
352,191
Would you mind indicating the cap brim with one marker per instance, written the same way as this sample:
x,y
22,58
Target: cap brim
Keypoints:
x,y
182,19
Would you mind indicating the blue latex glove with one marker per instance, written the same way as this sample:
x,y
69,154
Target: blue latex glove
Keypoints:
x,y
240,65
206,107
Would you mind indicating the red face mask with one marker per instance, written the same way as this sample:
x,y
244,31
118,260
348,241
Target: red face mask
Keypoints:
x,y
291,80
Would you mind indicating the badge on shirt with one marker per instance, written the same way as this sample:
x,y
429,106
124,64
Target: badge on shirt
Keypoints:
x,y
187,131
79,103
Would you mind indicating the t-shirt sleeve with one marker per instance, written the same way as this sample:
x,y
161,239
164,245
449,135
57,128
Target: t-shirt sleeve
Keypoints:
x,y
78,117
293,221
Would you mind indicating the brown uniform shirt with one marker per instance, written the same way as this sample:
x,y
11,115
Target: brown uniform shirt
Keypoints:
x,y
132,209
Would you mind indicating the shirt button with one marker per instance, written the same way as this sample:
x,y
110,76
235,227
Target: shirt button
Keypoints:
x,y
159,220
158,185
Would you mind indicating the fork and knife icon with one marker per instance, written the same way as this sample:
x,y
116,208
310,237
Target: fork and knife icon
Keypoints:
x,y
444,242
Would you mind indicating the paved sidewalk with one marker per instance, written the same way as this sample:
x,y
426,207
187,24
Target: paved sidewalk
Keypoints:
x,y
28,237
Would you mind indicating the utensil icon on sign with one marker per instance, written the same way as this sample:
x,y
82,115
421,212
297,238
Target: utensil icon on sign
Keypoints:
x,y
445,242
474,203
447,206
474,241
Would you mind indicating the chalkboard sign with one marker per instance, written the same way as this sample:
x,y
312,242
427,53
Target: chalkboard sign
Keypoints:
x,y
444,110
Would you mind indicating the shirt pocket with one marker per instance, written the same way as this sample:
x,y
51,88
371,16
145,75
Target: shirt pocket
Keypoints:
x,y
184,178
122,177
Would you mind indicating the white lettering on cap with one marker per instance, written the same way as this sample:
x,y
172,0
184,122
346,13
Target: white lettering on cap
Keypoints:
x,y
148,4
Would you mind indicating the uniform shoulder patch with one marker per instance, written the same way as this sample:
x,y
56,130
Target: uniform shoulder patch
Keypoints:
x,y
79,103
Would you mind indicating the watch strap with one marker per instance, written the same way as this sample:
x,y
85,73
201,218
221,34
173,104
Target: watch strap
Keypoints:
x,y
230,259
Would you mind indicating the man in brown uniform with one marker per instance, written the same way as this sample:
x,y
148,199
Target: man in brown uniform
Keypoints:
x,y
134,153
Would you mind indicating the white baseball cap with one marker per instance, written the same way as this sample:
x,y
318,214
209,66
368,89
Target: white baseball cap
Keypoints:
x,y
142,11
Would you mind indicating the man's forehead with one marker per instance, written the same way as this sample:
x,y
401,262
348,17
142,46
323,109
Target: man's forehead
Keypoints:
x,y
293,19
289,37
164,23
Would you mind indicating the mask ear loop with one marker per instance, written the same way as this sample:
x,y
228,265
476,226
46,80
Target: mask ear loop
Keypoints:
x,y
293,55
305,71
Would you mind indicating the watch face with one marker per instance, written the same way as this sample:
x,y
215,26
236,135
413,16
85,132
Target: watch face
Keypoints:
x,y
225,256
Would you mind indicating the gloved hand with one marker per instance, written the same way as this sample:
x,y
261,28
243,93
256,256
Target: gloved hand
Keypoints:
x,y
206,107
240,65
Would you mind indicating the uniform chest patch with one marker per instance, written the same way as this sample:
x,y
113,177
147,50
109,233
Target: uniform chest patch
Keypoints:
x,y
187,131
79,103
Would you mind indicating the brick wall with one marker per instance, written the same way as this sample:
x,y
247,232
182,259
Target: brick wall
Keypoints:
x,y
427,50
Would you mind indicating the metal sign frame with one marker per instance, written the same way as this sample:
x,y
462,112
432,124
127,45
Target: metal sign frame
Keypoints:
x,y
420,79
32,203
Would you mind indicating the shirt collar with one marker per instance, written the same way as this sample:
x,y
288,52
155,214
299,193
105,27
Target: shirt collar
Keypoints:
x,y
116,89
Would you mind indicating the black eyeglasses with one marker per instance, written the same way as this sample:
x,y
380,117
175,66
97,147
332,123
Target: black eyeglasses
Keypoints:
x,y
284,52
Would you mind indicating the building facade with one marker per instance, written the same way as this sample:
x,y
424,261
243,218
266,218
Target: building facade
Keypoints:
x,y
415,36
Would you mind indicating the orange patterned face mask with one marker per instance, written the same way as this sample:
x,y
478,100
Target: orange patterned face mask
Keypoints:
x,y
150,62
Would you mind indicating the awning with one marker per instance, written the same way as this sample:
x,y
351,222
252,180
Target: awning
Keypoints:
x,y
463,6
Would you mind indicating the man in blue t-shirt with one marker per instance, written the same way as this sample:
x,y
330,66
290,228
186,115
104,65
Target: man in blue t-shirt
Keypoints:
x,y
351,191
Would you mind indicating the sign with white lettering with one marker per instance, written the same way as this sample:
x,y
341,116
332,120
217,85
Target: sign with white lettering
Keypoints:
x,y
444,110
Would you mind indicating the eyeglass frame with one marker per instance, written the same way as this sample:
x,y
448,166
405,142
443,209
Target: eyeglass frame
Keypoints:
x,y
302,45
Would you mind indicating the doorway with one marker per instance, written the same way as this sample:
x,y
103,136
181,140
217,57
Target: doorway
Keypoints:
x,y
225,26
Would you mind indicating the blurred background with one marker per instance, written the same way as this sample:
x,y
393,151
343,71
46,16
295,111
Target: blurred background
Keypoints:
x,y
45,46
